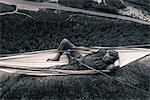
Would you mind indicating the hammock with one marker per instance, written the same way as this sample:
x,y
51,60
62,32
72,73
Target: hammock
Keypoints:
x,y
34,63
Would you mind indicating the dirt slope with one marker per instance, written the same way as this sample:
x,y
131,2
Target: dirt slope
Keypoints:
x,y
133,8
81,87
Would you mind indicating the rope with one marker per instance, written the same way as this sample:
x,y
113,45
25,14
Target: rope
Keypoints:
x,y
85,49
146,92
130,46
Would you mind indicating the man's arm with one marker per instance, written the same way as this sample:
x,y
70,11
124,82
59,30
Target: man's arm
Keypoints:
x,y
111,67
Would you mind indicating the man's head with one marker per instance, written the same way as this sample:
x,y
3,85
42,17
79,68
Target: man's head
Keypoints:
x,y
111,56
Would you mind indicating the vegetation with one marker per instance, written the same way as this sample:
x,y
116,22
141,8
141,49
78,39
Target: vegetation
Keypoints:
x,y
6,8
144,4
20,33
139,2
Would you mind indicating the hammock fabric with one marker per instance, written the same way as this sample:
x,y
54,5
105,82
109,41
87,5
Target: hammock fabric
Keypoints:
x,y
34,63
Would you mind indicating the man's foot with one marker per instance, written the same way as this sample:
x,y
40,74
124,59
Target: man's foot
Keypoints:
x,y
52,59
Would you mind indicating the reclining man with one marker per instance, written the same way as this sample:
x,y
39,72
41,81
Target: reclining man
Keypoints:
x,y
101,60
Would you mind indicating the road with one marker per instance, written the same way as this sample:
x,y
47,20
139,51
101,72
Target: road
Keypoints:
x,y
16,12
35,6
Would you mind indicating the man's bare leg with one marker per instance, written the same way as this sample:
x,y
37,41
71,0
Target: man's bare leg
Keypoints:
x,y
64,46
102,1
56,57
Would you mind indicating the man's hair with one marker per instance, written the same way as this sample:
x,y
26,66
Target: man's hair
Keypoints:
x,y
113,54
